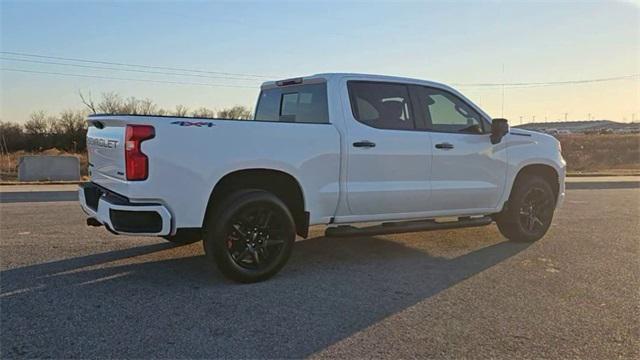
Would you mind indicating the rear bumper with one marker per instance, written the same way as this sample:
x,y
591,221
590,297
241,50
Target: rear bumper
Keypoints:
x,y
121,216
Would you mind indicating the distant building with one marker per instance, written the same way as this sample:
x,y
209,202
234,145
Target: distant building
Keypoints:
x,y
582,127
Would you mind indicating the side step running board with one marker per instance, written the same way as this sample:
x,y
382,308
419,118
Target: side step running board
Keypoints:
x,y
405,226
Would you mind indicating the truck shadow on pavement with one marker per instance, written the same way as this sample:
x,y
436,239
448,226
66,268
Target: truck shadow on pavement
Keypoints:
x,y
165,301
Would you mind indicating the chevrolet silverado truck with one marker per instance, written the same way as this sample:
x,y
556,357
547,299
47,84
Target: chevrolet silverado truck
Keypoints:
x,y
341,150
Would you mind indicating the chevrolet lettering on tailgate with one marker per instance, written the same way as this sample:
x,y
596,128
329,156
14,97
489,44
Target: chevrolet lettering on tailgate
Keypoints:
x,y
102,142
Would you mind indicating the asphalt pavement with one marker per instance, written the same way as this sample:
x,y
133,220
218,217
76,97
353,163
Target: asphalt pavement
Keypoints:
x,y
70,291
69,192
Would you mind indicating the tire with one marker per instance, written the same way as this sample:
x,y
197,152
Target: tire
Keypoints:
x,y
529,212
250,236
184,238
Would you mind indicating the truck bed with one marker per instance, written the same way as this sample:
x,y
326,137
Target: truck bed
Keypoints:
x,y
187,156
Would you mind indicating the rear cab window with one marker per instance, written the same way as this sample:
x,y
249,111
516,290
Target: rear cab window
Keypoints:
x,y
304,103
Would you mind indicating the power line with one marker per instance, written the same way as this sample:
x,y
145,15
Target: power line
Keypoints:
x,y
132,65
128,70
253,87
551,83
230,75
128,79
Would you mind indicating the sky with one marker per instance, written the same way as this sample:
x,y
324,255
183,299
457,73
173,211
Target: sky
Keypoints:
x,y
455,42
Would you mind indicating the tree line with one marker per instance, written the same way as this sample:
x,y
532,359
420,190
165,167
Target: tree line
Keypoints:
x,y
67,130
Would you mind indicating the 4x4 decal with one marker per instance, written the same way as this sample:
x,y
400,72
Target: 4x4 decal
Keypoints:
x,y
197,124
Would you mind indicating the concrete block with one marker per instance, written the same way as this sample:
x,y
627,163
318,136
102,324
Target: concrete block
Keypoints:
x,y
54,168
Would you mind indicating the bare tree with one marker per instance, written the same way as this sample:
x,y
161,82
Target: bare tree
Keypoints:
x,y
88,101
111,103
73,129
203,112
37,123
129,106
72,121
147,107
236,112
54,126
11,137
181,110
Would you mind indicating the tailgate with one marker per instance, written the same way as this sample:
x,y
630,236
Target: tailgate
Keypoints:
x,y
105,148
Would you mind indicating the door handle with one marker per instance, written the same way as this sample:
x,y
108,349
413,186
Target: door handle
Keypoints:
x,y
444,146
364,144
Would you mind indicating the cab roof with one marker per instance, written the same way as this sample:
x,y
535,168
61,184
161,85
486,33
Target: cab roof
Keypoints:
x,y
329,77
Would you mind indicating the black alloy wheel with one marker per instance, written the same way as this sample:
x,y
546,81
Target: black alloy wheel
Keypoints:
x,y
255,236
536,211
250,237
529,212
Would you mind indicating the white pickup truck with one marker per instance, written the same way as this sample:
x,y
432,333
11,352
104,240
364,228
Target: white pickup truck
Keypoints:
x,y
331,149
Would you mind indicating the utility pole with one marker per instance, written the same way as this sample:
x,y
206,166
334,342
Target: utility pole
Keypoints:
x,y
533,118
502,114
520,119
589,117
565,116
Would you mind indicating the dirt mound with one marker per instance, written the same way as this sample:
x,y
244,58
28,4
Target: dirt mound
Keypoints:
x,y
52,152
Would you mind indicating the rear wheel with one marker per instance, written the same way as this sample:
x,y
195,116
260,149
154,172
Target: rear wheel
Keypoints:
x,y
251,236
529,212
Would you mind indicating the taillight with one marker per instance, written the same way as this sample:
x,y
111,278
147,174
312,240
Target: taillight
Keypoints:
x,y
137,163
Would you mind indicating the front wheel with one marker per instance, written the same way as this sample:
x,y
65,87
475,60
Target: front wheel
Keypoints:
x,y
529,212
251,236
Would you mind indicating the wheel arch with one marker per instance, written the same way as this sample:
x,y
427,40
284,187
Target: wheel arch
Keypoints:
x,y
282,184
547,172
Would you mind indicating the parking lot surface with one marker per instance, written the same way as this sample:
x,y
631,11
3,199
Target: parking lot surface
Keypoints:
x,y
68,291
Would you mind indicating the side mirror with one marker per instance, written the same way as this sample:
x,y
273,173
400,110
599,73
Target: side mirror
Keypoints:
x,y
499,128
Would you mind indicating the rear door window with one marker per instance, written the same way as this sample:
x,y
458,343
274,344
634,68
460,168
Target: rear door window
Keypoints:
x,y
298,103
381,105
